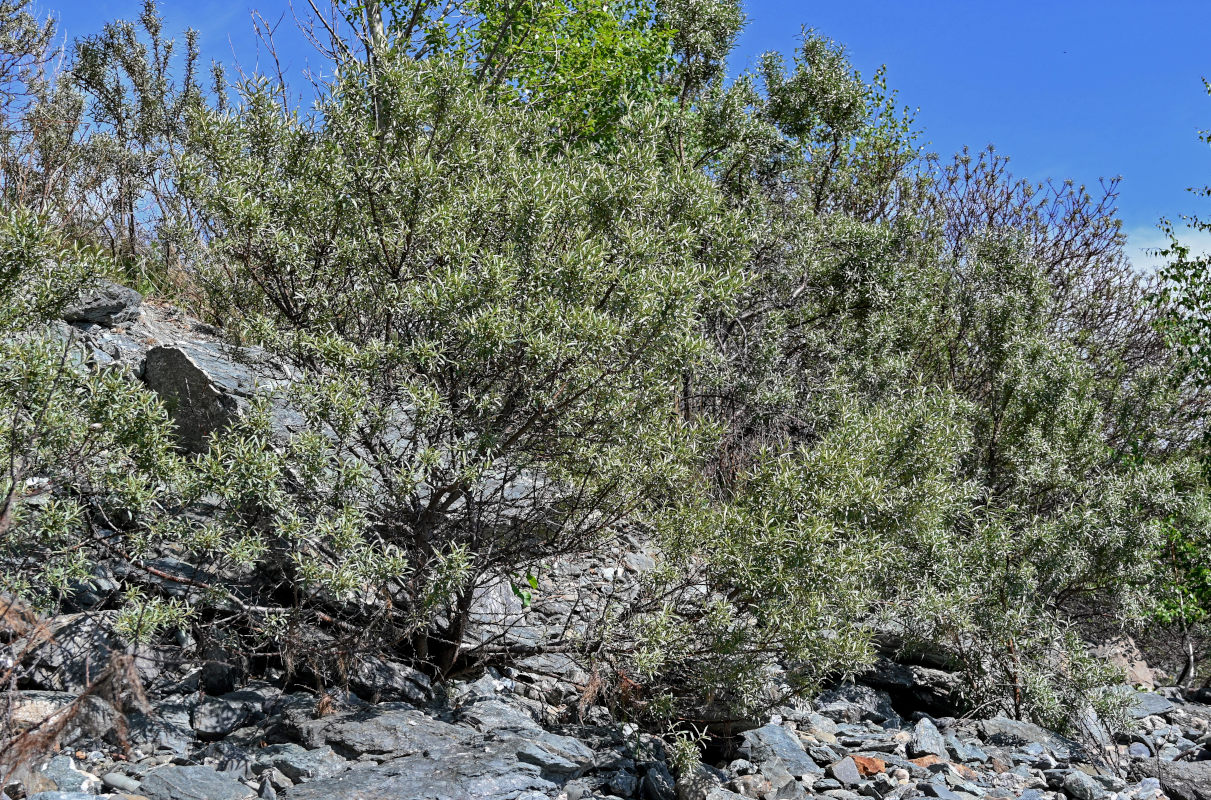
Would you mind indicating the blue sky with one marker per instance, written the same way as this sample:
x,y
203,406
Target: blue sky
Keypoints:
x,y
1067,88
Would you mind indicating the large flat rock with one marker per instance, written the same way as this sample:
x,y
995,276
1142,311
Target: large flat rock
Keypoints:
x,y
485,771
1181,780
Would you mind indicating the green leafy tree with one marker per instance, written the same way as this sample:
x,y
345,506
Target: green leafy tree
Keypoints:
x,y
583,62
1183,300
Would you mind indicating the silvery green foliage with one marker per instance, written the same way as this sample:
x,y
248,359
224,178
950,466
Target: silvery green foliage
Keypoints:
x,y
851,391
488,329
80,446
784,571
875,275
135,85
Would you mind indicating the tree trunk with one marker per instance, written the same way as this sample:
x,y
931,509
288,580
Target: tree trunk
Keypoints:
x,y
376,44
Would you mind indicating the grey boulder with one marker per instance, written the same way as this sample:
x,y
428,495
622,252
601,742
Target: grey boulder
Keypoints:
x,y
106,304
1080,786
200,387
855,702
1005,732
92,719
378,680
846,772
299,764
1146,704
1181,780
927,740
192,783
483,771
77,650
383,732
62,774
773,743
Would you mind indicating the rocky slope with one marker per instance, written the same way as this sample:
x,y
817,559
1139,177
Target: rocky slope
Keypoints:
x,y
213,730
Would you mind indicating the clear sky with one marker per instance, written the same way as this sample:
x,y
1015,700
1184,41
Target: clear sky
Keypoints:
x,y
1067,88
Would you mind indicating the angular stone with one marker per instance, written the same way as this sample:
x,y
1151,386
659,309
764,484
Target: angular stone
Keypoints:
x,y
752,786
822,754
299,764
215,717
868,766
390,730
925,762
200,389
61,774
378,680
92,719
222,672
917,688
964,751
937,790
854,702
485,771
775,743
192,783
1005,732
845,771
567,748
229,758
658,783
1146,704
719,793
926,740
1181,780
76,649
496,715
1125,654
551,763
698,782
623,783
106,304
1080,786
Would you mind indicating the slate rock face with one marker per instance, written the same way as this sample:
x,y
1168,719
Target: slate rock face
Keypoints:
x,y
200,389
106,304
1181,780
95,720
1005,732
927,740
192,783
917,688
387,731
1146,704
555,754
299,764
489,771
74,654
378,680
855,702
215,717
773,743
